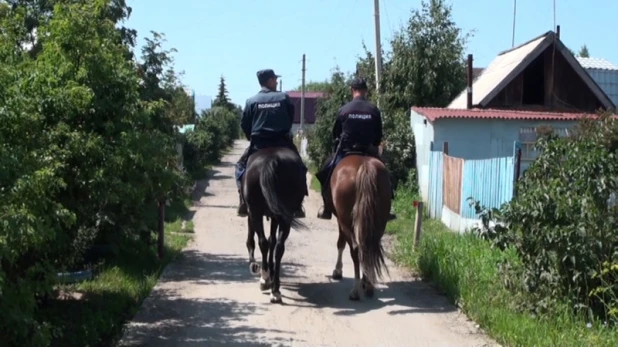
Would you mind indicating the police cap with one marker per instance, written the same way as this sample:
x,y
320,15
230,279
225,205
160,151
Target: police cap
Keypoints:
x,y
265,75
358,84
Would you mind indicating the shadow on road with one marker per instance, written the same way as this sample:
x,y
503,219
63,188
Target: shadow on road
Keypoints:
x,y
169,320
177,322
404,297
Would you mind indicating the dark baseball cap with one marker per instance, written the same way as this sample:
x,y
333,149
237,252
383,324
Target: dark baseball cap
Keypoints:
x,y
358,84
265,75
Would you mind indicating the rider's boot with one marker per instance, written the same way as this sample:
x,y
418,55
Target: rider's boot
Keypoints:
x,y
242,207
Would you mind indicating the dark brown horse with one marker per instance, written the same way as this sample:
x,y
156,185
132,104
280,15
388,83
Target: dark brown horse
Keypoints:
x,y
360,191
273,186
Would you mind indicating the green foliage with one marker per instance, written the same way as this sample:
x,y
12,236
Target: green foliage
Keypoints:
x,y
222,99
472,275
87,147
216,130
583,52
320,139
425,68
562,224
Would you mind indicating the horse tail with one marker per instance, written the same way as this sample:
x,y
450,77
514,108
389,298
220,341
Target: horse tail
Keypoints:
x,y
368,222
272,192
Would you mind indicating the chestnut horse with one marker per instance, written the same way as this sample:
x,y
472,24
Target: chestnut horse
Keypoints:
x,y
361,201
273,187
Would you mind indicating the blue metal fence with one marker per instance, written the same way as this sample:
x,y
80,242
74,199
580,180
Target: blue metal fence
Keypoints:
x,y
490,181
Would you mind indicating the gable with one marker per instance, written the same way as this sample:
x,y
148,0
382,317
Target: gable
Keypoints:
x,y
509,72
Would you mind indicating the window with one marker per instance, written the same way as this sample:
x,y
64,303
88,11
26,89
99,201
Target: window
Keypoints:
x,y
528,136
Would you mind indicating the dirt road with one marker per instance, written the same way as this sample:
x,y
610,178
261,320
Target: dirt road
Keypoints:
x,y
207,297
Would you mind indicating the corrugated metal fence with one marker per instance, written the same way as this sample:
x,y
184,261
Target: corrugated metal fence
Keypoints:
x,y
452,180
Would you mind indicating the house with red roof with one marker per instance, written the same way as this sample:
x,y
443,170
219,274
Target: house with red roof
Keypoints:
x,y
537,83
311,101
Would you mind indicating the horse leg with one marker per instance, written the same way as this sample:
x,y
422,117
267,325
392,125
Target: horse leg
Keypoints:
x,y
355,293
253,265
338,272
274,225
367,286
275,294
263,242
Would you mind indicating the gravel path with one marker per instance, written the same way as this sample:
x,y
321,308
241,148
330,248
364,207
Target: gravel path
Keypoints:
x,y
207,297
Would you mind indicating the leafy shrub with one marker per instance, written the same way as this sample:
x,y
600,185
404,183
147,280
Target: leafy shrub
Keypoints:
x,y
561,225
86,150
216,130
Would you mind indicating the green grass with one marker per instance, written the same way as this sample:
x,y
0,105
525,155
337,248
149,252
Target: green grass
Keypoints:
x,y
104,304
465,269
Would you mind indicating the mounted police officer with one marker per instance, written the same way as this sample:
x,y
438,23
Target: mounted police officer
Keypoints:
x,y
358,128
267,122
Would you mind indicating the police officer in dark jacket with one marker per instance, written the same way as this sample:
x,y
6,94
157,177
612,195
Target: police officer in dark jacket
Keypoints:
x,y
266,121
358,127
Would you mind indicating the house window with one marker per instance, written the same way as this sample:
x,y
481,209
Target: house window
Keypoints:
x,y
528,137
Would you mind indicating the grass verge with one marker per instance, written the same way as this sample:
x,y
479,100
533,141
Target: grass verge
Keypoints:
x,y
466,269
92,313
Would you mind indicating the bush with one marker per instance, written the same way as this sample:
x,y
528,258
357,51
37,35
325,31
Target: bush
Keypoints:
x,y
561,226
215,131
320,138
86,150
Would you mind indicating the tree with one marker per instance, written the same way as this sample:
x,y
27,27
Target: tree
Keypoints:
x,y
222,99
85,153
583,52
426,66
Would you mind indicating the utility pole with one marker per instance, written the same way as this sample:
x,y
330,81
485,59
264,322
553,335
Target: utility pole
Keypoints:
x,y
376,14
302,97
280,85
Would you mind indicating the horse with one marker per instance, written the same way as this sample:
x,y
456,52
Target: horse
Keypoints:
x,y
273,187
360,199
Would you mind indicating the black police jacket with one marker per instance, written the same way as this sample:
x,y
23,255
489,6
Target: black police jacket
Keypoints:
x,y
359,122
268,115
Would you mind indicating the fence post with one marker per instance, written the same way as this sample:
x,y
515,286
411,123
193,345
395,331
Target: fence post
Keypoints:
x,y
418,223
445,148
161,229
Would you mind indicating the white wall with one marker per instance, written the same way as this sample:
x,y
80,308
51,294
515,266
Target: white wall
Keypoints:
x,y
423,137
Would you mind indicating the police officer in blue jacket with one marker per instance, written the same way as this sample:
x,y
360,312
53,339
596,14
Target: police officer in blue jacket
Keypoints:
x,y
357,128
266,121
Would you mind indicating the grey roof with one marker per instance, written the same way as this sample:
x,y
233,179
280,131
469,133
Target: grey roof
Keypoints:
x,y
596,63
508,64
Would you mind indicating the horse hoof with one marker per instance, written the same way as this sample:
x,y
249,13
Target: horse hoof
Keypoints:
x,y
354,296
337,274
254,268
275,298
264,286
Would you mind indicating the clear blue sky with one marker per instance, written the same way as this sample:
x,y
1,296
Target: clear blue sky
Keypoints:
x,y
235,38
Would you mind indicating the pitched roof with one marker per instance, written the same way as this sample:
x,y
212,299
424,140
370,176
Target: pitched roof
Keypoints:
x,y
433,113
308,95
596,64
509,64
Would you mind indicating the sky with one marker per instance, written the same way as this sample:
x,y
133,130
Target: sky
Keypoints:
x,y
236,38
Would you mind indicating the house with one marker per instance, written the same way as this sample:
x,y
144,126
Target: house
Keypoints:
x,y
537,83
604,73
311,100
